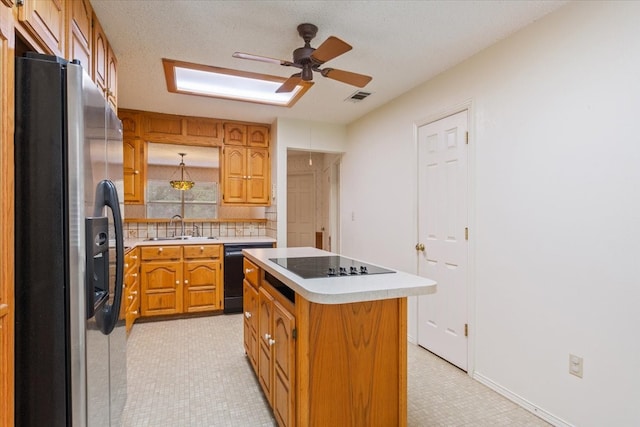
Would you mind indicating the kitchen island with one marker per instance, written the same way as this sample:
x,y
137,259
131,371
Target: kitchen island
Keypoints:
x,y
329,350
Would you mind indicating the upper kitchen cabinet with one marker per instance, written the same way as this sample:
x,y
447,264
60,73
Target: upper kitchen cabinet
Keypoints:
x,y
78,44
175,129
42,23
105,72
134,158
246,135
246,176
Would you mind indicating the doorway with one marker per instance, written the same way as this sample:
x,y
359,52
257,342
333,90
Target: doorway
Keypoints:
x,y
313,194
443,236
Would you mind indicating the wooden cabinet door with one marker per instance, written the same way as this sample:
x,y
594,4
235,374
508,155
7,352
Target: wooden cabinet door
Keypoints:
x,y
265,372
100,55
44,19
202,285
258,181
111,93
133,170
79,34
161,288
283,365
250,303
235,134
234,188
258,136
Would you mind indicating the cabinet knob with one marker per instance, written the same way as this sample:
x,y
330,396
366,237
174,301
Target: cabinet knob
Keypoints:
x,y
134,292
272,342
130,297
134,274
267,337
248,270
177,282
126,265
249,177
134,312
247,314
186,282
136,172
134,256
159,249
201,248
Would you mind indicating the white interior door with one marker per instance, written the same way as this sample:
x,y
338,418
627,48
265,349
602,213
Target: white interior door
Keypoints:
x,y
442,219
301,210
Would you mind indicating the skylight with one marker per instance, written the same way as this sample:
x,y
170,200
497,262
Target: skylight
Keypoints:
x,y
205,80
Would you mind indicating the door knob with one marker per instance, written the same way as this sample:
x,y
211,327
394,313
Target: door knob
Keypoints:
x,y
420,247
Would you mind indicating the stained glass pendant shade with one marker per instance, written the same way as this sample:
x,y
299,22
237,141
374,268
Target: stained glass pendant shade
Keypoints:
x,y
182,183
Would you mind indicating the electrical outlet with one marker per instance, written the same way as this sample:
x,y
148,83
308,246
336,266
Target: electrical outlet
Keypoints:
x,y
575,365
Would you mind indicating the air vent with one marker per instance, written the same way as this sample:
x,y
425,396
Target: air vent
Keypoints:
x,y
358,96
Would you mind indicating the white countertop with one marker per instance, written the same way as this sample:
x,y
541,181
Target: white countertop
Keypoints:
x,y
132,243
340,289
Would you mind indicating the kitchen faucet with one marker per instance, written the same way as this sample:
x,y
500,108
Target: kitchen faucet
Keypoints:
x,y
176,226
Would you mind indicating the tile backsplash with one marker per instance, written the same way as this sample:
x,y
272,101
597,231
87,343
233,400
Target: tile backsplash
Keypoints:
x,y
214,229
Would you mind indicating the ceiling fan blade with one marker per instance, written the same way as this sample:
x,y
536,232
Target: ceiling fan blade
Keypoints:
x,y
290,84
331,48
252,57
348,77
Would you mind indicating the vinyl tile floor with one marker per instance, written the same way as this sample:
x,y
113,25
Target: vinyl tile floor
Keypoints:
x,y
194,372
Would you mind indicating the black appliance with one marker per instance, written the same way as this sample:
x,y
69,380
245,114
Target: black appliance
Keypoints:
x,y
328,266
70,345
234,274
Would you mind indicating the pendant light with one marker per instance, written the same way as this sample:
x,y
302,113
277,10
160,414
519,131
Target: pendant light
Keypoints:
x,y
182,184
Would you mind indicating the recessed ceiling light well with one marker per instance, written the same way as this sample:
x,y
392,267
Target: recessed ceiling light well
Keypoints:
x,y
216,82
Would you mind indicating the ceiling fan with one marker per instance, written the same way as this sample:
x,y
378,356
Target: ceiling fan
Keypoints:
x,y
309,59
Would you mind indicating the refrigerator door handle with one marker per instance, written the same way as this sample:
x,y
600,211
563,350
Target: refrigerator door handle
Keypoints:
x,y
107,195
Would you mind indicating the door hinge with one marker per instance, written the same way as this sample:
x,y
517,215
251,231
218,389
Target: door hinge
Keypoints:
x,y
466,138
466,233
466,329
294,333
20,2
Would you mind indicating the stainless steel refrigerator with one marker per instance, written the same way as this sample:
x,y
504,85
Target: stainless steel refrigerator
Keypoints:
x,y
70,343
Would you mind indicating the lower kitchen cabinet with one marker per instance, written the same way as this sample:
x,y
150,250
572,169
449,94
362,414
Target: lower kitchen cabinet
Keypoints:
x,y
273,351
131,297
181,279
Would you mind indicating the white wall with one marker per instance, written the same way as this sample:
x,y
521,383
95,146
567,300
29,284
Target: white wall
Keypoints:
x,y
301,135
555,218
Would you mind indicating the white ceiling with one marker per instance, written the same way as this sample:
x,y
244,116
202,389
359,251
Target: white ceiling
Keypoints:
x,y
401,44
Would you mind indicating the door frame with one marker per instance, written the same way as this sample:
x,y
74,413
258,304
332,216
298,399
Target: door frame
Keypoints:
x,y
471,210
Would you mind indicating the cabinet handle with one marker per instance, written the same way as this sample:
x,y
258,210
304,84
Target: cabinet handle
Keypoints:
x,y
247,314
248,270
272,342
267,337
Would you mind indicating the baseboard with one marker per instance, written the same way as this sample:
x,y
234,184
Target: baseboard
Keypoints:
x,y
524,403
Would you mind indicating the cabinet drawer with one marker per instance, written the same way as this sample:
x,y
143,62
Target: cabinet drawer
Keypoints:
x,y
251,272
202,251
161,252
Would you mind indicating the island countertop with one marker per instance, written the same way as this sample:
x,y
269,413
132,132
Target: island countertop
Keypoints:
x,y
339,289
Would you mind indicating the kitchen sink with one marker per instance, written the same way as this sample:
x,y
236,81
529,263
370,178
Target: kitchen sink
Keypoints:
x,y
197,239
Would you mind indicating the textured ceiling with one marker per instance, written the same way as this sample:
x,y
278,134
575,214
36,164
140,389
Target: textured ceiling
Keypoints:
x,y
399,43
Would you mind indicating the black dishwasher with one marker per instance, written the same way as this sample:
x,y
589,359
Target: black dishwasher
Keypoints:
x,y
234,274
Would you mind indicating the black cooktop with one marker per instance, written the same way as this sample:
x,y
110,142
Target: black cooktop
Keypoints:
x,y
328,266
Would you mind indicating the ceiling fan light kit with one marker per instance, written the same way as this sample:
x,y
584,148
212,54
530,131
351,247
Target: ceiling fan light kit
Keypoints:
x,y
309,59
